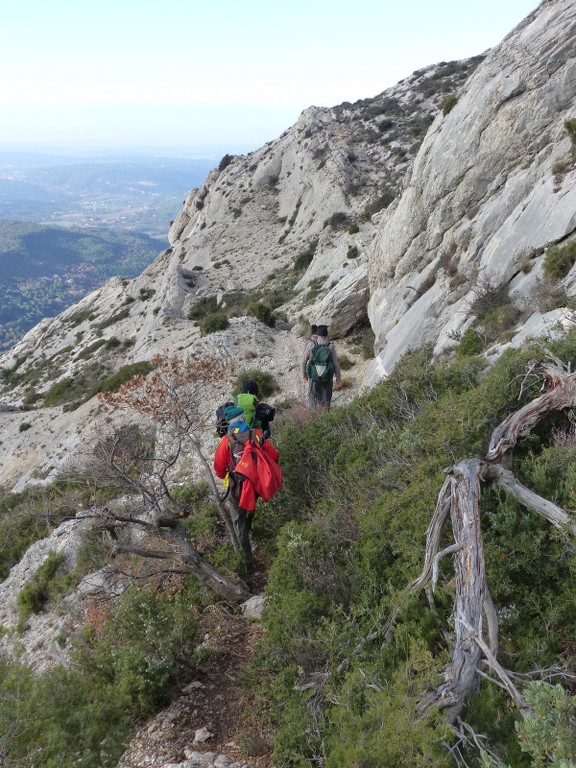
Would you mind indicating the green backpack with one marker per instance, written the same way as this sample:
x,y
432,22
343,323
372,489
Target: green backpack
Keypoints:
x,y
320,366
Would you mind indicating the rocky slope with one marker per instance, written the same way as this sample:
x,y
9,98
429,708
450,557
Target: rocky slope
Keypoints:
x,y
488,191
491,189
289,224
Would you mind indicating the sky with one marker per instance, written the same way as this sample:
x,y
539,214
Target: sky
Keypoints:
x,y
216,73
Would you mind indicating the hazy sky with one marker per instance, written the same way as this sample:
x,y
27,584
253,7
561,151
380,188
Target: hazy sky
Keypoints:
x,y
217,72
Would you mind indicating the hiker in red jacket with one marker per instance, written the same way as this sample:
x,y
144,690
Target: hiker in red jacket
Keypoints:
x,y
242,495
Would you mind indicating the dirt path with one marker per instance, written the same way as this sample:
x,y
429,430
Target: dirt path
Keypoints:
x,y
216,702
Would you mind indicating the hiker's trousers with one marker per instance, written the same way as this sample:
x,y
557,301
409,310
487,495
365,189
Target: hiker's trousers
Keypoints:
x,y
242,521
320,394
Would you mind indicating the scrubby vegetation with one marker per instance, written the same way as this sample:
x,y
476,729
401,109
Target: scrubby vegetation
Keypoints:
x,y
212,315
123,668
360,486
559,260
341,543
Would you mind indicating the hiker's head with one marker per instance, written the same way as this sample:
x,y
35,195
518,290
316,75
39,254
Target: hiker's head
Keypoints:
x,y
323,331
250,387
313,330
233,413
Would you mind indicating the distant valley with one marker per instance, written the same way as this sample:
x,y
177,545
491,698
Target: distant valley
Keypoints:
x,y
68,224
140,193
43,270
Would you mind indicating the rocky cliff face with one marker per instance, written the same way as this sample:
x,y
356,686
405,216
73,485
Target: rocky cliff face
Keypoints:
x,y
289,224
398,207
491,188
305,225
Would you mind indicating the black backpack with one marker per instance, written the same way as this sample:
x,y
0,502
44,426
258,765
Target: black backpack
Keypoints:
x,y
264,413
221,421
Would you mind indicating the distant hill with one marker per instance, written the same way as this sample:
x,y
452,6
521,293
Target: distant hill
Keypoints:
x,y
140,193
45,269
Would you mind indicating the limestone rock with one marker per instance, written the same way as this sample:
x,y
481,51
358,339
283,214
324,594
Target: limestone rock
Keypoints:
x,y
482,194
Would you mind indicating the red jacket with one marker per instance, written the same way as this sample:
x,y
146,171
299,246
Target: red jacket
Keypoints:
x,y
223,463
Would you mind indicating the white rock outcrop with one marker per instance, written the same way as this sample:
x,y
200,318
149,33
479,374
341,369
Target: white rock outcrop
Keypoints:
x,y
484,194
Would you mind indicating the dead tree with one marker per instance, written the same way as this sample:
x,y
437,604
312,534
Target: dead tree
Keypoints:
x,y
148,522
460,498
172,397
171,400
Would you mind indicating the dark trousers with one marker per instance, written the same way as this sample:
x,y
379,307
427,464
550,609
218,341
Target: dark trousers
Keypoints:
x,y
242,522
319,393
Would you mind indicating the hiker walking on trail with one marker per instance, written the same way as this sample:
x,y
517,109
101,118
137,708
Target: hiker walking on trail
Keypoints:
x,y
244,488
320,366
256,414
311,342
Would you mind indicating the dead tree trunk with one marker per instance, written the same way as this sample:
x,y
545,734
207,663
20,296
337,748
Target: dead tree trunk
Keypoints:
x,y
178,549
460,496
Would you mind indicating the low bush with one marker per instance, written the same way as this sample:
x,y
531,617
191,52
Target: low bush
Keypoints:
x,y
81,716
304,259
267,384
470,344
383,201
263,313
559,260
35,593
360,486
217,321
448,104
352,252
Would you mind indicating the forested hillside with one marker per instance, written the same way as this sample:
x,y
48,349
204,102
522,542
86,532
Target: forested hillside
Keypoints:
x,y
43,270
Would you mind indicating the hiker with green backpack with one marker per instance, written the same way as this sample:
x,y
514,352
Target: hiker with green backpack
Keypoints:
x,y
321,365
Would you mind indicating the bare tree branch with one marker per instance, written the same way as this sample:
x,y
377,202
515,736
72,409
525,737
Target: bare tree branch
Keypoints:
x,y
460,495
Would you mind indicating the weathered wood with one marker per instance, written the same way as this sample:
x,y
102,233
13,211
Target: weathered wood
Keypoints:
x,y
560,394
460,495
547,509
235,591
460,675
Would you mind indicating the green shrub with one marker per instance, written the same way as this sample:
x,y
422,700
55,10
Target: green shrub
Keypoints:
x,y
30,398
352,252
58,391
353,228
500,319
207,305
559,260
448,104
345,362
487,297
360,486
81,716
304,259
263,313
570,126
217,321
119,316
88,352
225,162
383,201
267,384
24,426
470,344
35,593
114,382
336,220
